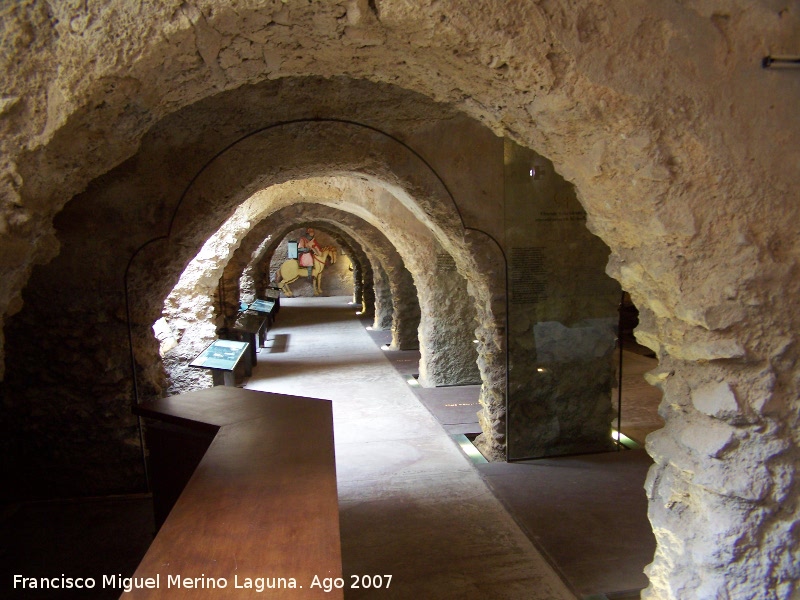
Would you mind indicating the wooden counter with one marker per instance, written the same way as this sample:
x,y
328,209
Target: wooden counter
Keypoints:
x,y
262,502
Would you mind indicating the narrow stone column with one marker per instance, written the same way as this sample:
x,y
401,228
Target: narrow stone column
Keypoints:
x,y
487,288
358,284
448,354
227,296
368,296
405,323
492,365
247,284
383,299
259,272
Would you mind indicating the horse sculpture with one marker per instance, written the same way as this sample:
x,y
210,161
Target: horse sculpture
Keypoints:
x,y
291,270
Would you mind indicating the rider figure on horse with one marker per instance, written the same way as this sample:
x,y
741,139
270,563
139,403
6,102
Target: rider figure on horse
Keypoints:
x,y
307,248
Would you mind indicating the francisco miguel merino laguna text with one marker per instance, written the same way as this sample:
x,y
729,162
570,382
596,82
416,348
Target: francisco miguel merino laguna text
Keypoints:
x,y
127,584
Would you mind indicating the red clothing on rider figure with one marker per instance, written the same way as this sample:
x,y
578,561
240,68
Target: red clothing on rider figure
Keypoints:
x,y
306,248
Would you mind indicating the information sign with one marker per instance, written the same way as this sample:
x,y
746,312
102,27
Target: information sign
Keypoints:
x,y
250,322
264,306
221,354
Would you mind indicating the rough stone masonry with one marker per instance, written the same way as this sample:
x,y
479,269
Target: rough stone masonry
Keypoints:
x,y
682,150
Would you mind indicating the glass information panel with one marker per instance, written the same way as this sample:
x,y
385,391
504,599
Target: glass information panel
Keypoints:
x,y
221,354
250,322
562,316
264,306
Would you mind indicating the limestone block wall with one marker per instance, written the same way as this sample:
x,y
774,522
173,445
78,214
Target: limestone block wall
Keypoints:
x,y
340,277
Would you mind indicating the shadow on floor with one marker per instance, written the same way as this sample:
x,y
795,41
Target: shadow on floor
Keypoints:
x,y
588,514
278,343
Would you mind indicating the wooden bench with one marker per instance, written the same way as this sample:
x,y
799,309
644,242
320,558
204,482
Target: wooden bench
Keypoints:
x,y
259,509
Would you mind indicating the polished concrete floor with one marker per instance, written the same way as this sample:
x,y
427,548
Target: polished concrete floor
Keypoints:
x,y
413,504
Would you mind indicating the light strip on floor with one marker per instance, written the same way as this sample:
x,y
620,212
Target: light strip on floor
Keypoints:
x,y
624,440
468,448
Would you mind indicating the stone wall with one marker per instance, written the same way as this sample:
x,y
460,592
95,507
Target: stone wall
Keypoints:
x,y
680,145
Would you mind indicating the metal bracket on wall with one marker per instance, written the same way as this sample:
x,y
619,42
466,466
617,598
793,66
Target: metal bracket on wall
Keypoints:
x,y
780,62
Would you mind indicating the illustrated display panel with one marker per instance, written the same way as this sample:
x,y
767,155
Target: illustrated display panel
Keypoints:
x,y
221,354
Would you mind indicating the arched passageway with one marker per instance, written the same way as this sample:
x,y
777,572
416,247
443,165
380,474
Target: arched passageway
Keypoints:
x,y
446,336
697,213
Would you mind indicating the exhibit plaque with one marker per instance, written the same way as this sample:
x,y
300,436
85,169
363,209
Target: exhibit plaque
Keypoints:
x,y
221,354
250,322
264,306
